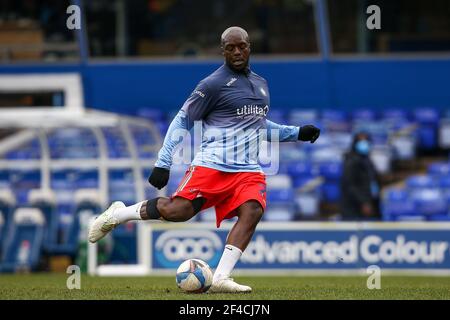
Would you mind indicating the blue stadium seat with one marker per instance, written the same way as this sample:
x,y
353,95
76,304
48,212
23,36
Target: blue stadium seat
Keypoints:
x,y
86,179
329,154
289,153
279,212
334,115
68,237
308,204
421,182
331,191
395,114
331,170
428,119
363,115
444,182
300,169
31,150
333,120
396,202
280,196
429,201
298,116
439,168
73,143
23,245
281,181
86,202
280,199
426,115
342,140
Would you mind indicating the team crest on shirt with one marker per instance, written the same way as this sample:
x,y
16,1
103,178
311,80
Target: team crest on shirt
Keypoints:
x,y
263,91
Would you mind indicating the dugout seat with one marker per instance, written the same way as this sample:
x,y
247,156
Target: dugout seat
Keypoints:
x,y
22,181
2,231
7,206
121,186
45,201
24,242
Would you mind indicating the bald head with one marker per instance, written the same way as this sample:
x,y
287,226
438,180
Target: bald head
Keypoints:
x,y
234,32
236,48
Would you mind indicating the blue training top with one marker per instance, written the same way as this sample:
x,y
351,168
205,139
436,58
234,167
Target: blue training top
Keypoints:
x,y
233,107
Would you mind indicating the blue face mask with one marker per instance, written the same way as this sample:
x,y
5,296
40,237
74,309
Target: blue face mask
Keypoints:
x,y
363,147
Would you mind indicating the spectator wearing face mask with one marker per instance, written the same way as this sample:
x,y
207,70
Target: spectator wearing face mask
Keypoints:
x,y
359,182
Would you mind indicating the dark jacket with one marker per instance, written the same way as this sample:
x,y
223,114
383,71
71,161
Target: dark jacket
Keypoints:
x,y
358,175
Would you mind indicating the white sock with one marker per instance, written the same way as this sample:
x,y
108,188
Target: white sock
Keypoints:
x,y
230,256
129,213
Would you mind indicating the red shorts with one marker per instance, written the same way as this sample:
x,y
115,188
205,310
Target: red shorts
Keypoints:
x,y
225,191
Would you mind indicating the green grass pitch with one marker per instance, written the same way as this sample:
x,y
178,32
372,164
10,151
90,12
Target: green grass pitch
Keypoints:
x,y
53,286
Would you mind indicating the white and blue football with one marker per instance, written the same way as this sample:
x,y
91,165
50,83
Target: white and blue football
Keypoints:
x,y
194,276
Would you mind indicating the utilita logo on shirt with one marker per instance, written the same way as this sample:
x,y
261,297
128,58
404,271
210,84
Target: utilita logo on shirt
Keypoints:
x,y
253,109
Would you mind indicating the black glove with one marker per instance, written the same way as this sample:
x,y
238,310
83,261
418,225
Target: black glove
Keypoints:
x,y
159,177
308,133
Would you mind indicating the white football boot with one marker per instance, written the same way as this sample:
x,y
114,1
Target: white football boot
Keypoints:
x,y
227,285
105,222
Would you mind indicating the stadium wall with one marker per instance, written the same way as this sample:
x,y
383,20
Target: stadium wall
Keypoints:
x,y
311,83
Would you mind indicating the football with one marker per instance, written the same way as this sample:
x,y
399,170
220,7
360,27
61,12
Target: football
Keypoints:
x,y
194,276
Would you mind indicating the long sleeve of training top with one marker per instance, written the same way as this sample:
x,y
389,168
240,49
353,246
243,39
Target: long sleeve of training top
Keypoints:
x,y
174,136
285,133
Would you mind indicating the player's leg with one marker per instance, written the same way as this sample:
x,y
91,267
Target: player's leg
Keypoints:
x,y
177,209
249,214
181,206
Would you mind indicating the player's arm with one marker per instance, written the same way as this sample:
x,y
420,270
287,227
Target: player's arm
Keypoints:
x,y
196,108
292,133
